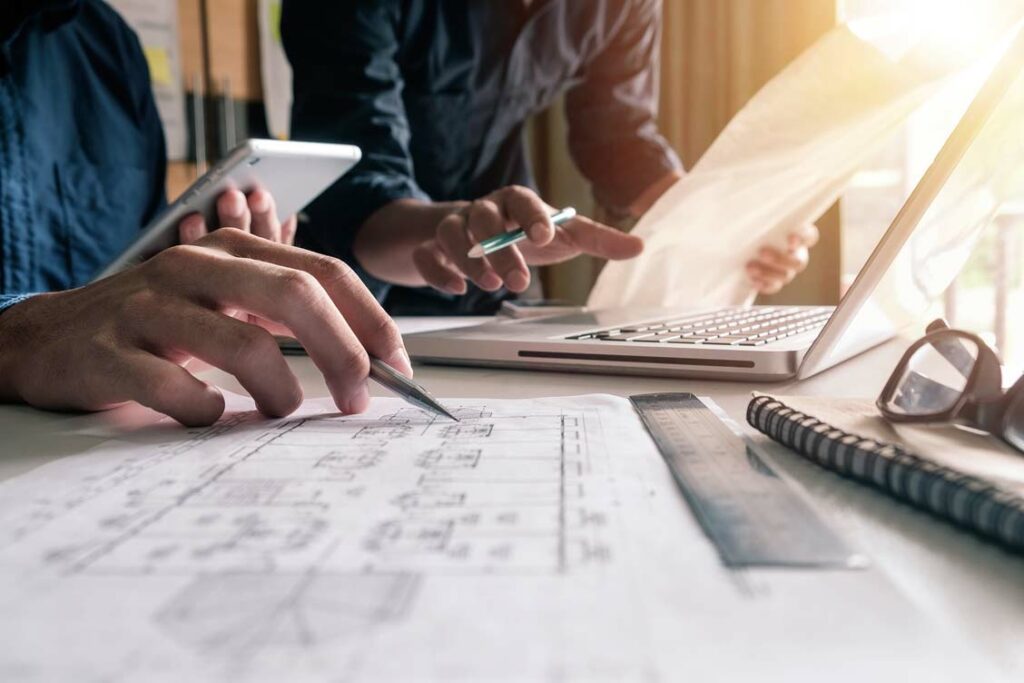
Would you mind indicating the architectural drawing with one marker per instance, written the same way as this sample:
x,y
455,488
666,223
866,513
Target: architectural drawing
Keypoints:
x,y
292,533
534,540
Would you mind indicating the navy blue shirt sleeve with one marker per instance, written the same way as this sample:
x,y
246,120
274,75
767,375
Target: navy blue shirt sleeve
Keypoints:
x,y
70,202
348,89
612,113
8,300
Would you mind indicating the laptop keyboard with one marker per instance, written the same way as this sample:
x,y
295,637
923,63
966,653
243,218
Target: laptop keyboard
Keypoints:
x,y
728,327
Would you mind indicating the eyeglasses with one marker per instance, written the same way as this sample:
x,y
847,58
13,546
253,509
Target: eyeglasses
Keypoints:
x,y
953,376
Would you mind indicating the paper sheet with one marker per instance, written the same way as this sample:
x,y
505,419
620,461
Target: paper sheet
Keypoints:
x,y
533,540
782,161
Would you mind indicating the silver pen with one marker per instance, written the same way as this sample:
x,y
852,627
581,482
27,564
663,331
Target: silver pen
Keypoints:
x,y
386,376
410,391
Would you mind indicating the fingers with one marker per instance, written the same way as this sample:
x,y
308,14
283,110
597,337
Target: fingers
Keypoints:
x,y
807,237
288,230
371,325
433,266
192,229
233,210
486,219
787,264
507,209
290,297
773,269
169,389
453,238
591,237
521,207
246,351
264,216
764,281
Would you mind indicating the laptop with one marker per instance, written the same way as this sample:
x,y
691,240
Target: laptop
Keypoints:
x,y
894,289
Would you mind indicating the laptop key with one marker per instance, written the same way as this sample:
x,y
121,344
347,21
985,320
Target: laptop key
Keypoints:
x,y
625,337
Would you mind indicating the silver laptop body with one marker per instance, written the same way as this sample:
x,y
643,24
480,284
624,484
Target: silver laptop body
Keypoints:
x,y
755,343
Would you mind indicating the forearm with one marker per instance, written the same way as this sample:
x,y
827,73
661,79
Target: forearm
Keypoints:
x,y
7,393
385,243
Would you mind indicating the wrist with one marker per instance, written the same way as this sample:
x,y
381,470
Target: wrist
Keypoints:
x,y
385,243
13,333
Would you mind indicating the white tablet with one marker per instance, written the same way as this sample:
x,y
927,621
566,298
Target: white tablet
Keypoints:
x,y
295,173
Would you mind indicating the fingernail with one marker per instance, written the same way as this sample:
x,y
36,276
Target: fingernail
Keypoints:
x,y
358,400
517,281
490,282
455,286
538,229
238,204
259,203
400,361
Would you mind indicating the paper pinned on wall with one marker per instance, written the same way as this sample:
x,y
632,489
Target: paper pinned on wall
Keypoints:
x,y
779,164
156,24
275,70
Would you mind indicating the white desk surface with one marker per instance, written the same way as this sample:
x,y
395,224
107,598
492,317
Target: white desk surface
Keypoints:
x,y
969,585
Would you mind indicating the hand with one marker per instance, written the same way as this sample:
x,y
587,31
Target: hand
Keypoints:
x,y
773,269
128,337
443,262
256,213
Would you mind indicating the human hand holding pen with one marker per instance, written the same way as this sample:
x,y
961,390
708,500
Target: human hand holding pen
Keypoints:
x,y
507,239
444,261
129,337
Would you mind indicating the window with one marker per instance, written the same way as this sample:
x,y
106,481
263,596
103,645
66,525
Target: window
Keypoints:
x,y
989,294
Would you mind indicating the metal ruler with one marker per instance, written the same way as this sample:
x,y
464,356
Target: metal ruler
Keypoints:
x,y
752,516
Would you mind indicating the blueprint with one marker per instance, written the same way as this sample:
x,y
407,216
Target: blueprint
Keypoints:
x,y
532,540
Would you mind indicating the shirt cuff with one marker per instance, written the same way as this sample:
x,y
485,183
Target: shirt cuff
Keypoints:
x,y
8,300
638,167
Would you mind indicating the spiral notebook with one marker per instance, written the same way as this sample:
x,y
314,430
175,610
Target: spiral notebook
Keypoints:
x,y
969,479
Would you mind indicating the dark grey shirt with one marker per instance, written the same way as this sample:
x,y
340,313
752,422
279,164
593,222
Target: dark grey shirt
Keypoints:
x,y
437,94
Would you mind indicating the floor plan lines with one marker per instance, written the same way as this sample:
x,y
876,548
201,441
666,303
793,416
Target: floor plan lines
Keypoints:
x,y
318,531
235,615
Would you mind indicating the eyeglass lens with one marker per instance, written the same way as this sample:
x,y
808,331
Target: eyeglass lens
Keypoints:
x,y
934,377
